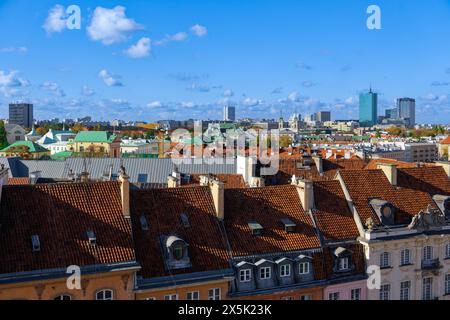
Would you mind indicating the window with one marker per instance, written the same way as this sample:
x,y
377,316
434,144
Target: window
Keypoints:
x,y
306,297
177,250
63,297
427,288
172,296
264,273
384,260
142,177
214,294
287,298
343,264
405,257
333,296
447,284
195,295
285,270
405,288
385,292
356,294
447,251
104,295
428,253
245,275
303,268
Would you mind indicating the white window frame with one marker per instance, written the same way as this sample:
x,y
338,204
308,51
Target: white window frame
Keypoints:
x,y
60,297
306,297
447,284
265,273
447,251
344,264
405,257
385,292
427,253
285,270
245,275
427,288
405,290
333,295
303,267
191,295
214,294
103,292
171,296
355,294
385,260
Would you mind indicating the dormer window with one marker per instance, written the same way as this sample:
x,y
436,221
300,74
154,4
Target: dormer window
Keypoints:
x,y
303,268
289,226
255,228
443,202
178,251
177,255
343,261
36,243
91,238
343,264
185,220
384,210
144,223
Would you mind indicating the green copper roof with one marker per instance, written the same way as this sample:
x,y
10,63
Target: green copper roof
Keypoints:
x,y
32,147
95,136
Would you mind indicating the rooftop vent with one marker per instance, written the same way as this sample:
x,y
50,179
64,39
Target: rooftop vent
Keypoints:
x,y
255,228
36,243
92,238
289,226
144,223
185,220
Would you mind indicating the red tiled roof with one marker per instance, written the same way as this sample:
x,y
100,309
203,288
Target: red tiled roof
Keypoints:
x,y
267,206
18,181
61,214
373,164
332,214
445,141
364,185
432,180
231,181
162,209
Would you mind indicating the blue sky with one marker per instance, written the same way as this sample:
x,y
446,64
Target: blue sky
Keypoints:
x,y
161,59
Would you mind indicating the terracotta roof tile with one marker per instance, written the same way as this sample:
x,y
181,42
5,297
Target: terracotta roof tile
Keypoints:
x,y
231,181
445,141
267,206
18,181
373,164
432,180
61,214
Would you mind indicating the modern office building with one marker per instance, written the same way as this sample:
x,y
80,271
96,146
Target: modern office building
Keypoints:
x,y
407,110
21,114
391,113
323,116
368,109
229,113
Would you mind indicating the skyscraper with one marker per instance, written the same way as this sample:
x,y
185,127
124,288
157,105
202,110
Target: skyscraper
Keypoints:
x,y
229,113
368,109
323,116
407,110
21,114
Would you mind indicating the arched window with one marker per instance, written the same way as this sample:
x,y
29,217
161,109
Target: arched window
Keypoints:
x,y
63,297
106,294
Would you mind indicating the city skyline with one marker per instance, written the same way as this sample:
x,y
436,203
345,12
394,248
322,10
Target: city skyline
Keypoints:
x,y
186,60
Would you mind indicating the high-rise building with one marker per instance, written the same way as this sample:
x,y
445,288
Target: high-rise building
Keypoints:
x,y
229,113
368,109
21,114
407,110
323,116
391,113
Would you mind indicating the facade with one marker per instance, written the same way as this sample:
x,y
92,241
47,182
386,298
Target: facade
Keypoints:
x,y
368,109
14,133
21,114
421,152
229,113
323,116
444,149
391,113
406,110
139,146
99,143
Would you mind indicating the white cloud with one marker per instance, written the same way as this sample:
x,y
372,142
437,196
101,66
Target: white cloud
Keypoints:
x,y
187,104
228,93
53,88
251,102
154,104
139,50
21,50
198,87
199,31
294,96
87,91
177,37
109,79
11,85
56,20
111,25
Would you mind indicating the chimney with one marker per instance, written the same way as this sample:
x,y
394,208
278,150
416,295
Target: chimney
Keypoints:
x,y
4,176
204,181
172,182
257,182
319,163
218,194
445,165
125,192
306,192
390,170
84,177
246,166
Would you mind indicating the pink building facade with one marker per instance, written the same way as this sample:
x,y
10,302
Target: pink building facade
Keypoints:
x,y
355,290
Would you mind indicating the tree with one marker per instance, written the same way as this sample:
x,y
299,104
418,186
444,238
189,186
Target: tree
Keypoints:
x,y
77,127
378,133
3,136
285,141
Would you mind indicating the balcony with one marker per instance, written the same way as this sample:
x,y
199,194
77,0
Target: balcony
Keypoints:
x,y
432,264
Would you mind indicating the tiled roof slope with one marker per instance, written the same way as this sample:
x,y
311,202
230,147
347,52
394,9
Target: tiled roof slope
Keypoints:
x,y
231,181
364,185
162,209
18,181
445,141
61,214
332,214
373,164
432,180
267,206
